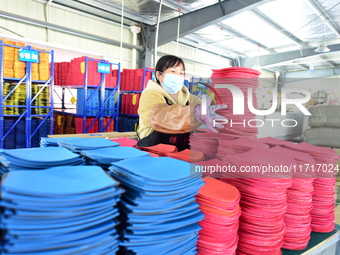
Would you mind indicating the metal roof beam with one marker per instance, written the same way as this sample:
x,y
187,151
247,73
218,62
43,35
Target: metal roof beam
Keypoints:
x,y
204,17
312,75
244,37
324,15
279,28
190,43
67,30
225,49
274,58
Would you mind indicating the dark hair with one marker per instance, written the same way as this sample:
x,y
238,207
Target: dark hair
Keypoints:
x,y
166,62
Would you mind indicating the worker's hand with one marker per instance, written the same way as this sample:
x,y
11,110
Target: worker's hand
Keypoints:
x,y
210,117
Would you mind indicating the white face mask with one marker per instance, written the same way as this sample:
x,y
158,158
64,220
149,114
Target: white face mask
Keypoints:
x,y
172,83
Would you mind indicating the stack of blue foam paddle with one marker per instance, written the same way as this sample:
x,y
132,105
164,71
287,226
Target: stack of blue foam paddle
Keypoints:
x,y
61,210
104,157
159,205
79,144
53,142
38,158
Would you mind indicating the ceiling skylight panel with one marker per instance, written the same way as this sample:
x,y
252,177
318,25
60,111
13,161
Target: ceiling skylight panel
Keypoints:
x,y
253,27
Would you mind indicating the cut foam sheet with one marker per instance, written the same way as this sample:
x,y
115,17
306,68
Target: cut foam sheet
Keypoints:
x,y
48,142
87,143
90,231
160,149
187,155
82,180
155,217
299,202
125,142
152,186
75,199
173,170
43,157
315,151
272,141
220,199
43,221
35,225
113,154
259,155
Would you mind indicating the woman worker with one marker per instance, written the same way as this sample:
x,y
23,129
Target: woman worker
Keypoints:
x,y
167,111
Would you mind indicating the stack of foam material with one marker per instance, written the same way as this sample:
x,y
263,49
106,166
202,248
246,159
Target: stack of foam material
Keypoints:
x,y
219,203
8,58
205,142
323,214
104,157
262,176
187,155
60,210
38,158
159,205
236,146
19,67
299,201
243,78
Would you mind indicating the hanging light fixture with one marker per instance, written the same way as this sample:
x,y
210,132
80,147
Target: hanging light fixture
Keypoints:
x,y
257,66
323,47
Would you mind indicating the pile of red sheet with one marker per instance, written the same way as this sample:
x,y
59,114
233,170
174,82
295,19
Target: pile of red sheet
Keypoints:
x,y
299,201
168,150
324,185
219,203
207,142
237,146
125,142
244,79
263,187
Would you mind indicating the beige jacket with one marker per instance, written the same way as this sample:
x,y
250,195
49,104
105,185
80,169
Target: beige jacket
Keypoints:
x,y
156,114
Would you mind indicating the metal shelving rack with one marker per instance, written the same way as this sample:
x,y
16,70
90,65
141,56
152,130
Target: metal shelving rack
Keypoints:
x,y
136,91
113,92
27,114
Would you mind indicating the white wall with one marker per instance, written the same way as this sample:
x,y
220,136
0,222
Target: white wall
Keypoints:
x,y
78,45
67,46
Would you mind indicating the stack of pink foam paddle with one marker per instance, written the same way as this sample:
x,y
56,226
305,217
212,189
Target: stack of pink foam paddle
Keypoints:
x,y
263,199
219,203
299,201
236,146
324,185
243,78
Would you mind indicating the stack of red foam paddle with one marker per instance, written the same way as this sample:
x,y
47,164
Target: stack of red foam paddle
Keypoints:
x,y
207,142
187,155
263,198
244,79
219,203
236,146
299,201
324,185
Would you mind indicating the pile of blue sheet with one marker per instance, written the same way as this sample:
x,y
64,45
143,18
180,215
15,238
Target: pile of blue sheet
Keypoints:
x,y
38,158
53,142
159,205
79,144
59,211
104,157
